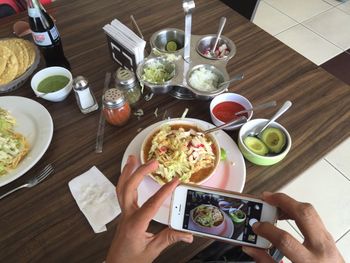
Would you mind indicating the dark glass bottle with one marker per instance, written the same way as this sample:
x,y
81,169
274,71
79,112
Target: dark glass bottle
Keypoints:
x,y
45,35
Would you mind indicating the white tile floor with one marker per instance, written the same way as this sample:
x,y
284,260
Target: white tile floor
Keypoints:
x,y
318,30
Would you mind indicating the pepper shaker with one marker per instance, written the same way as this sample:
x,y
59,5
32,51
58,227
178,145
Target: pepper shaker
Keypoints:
x,y
85,98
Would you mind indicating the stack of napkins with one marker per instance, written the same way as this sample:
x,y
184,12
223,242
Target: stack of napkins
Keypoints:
x,y
126,48
96,197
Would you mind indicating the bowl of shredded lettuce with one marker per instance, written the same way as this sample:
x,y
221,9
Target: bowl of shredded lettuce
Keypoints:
x,y
156,74
181,151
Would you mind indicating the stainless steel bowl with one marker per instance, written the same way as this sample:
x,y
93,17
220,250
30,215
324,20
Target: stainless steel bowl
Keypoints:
x,y
157,88
208,42
160,39
203,94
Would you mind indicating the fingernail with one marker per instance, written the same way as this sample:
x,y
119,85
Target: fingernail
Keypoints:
x,y
266,194
255,225
246,249
175,179
187,239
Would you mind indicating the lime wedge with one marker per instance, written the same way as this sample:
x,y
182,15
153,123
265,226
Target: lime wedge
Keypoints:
x,y
171,46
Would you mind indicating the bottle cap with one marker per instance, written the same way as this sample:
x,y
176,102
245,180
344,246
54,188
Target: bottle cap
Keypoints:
x,y
80,83
113,98
124,77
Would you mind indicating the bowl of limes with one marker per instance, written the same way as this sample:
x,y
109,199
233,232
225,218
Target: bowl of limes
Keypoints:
x,y
168,40
269,148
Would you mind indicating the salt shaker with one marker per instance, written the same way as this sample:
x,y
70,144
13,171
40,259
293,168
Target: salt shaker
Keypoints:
x,y
85,98
126,81
116,108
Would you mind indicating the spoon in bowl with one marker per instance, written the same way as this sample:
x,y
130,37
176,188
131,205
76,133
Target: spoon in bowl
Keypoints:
x,y
237,121
259,107
233,79
282,110
221,27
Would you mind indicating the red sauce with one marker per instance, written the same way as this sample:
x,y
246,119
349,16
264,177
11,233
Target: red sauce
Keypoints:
x,y
225,111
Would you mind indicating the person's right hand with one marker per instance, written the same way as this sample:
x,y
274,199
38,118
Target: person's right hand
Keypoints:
x,y
318,245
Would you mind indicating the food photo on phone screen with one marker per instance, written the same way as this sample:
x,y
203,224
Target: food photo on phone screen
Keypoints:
x,y
220,215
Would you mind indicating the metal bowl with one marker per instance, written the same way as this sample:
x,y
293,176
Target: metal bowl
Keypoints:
x,y
206,43
157,88
203,94
160,39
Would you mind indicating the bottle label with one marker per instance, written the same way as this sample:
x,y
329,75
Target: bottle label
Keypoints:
x,y
34,12
43,38
54,33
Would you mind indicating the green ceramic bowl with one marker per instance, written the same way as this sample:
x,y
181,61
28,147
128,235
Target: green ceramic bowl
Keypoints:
x,y
237,216
255,125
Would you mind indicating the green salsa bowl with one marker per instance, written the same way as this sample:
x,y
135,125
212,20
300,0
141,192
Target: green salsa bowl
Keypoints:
x,y
52,83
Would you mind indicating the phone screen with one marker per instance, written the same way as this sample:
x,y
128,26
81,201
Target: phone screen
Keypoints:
x,y
221,216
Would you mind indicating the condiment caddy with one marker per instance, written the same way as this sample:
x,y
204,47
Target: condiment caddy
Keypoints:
x,y
178,86
183,55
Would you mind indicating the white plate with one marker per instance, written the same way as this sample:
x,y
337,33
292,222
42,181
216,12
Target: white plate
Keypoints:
x,y
230,174
35,123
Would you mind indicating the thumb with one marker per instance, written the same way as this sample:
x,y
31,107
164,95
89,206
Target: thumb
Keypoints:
x,y
168,237
259,255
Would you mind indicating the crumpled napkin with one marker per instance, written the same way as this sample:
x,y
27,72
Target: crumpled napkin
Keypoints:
x,y
96,198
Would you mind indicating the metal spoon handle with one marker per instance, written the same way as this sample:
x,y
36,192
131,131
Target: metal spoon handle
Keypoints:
x,y
259,107
221,27
234,78
282,110
237,121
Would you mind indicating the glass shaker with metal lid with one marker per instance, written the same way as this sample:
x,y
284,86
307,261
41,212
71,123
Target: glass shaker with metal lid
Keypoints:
x,y
116,108
126,81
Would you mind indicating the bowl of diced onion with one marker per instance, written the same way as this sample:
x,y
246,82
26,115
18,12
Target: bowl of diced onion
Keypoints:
x,y
156,73
181,151
205,80
224,50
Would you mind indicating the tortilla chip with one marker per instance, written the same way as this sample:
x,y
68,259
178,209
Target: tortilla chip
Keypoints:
x,y
25,56
18,51
3,58
30,50
11,68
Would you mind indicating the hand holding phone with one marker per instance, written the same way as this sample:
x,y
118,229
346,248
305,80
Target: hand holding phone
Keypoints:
x,y
222,215
318,245
132,242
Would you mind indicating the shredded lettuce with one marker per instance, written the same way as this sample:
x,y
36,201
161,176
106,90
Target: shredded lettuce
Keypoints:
x,y
13,146
156,72
180,153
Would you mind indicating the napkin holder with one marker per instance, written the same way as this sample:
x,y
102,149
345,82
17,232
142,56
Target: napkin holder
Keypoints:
x,y
121,55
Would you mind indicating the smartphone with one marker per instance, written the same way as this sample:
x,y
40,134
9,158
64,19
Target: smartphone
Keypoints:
x,y
220,214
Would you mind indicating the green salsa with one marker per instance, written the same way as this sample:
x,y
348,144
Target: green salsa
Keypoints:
x,y
52,84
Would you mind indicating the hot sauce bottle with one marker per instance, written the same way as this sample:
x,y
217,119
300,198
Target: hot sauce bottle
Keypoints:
x,y
116,108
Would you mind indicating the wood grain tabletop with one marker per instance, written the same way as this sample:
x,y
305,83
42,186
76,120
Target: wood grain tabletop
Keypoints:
x,y
44,224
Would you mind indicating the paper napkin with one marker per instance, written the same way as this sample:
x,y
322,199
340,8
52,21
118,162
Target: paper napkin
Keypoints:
x,y
126,48
96,198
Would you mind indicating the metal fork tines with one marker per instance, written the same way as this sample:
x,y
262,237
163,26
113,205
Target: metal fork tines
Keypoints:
x,y
48,169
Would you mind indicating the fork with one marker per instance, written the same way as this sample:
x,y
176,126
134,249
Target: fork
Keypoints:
x,y
34,181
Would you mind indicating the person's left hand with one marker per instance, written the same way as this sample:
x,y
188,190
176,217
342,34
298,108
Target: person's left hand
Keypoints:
x,y
132,242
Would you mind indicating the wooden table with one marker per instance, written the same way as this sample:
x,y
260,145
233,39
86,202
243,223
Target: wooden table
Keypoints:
x,y
45,224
